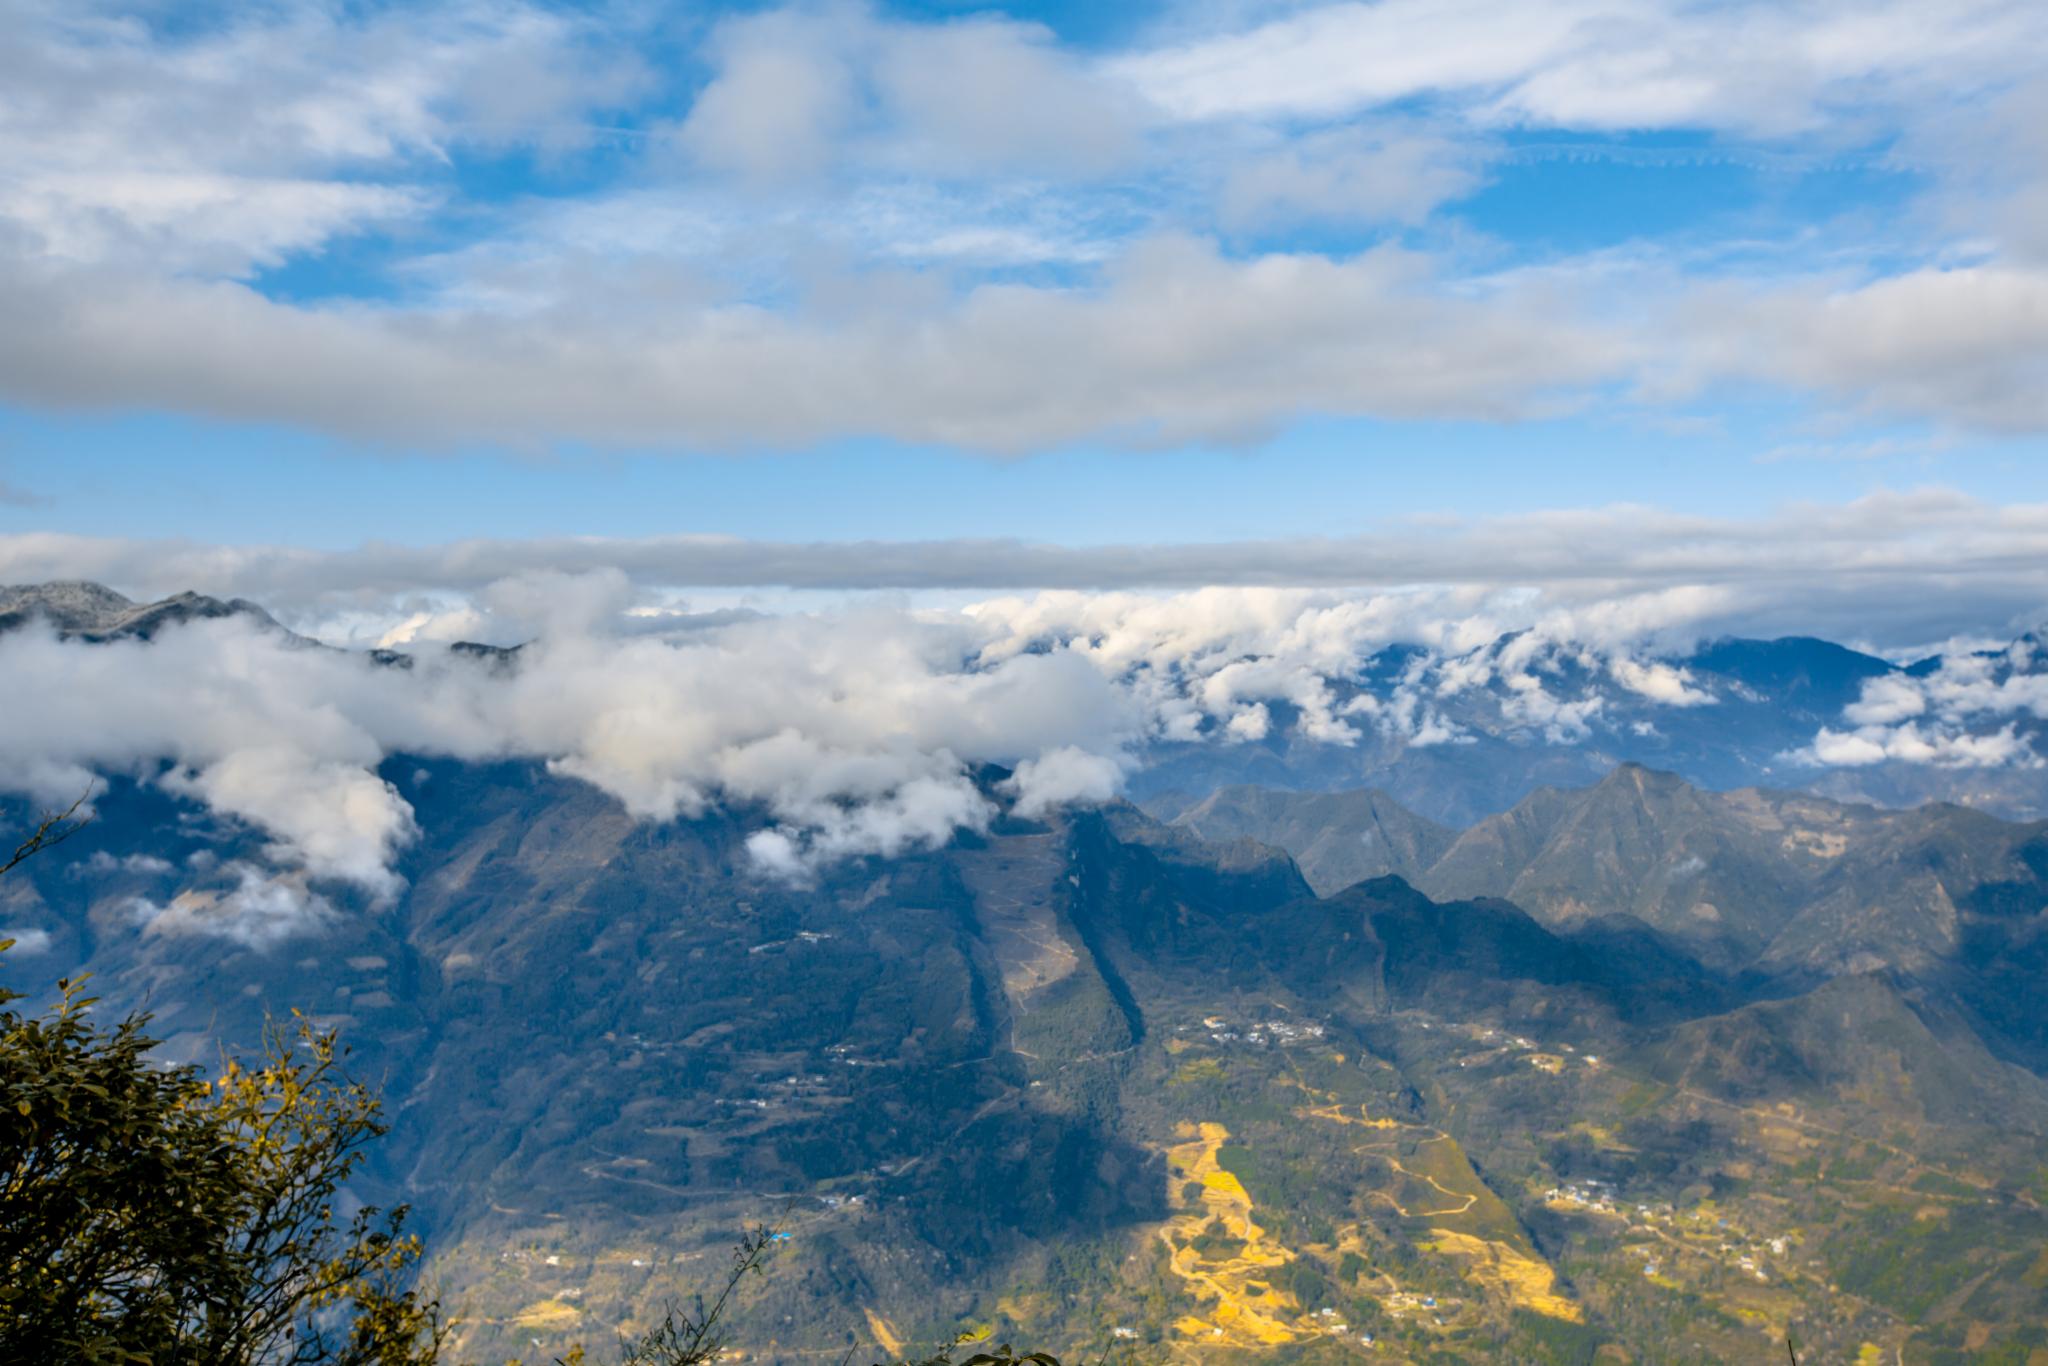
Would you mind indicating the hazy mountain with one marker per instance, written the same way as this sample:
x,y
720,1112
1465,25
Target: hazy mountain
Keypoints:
x,y
90,612
1753,874
1752,709
1804,678
1854,1038
1718,868
1338,838
1782,886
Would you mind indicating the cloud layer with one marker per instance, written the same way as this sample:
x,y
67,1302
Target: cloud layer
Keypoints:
x,y
862,730
813,222
1896,570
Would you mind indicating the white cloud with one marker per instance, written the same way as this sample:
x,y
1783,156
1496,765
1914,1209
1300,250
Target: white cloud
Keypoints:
x,y
855,733
1659,682
1965,346
783,93
27,942
1179,343
104,862
259,912
848,732
122,139
1751,67
1170,340
804,90
987,94
1943,717
1332,59
1347,175
250,727
1887,701
1064,777
1910,743
1897,569
192,220
861,729
964,233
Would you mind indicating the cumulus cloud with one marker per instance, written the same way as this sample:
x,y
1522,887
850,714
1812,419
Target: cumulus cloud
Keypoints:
x,y
799,88
1887,701
1658,681
966,233
1943,717
1170,340
856,733
27,942
260,911
1912,744
244,723
783,91
1064,777
1967,346
130,140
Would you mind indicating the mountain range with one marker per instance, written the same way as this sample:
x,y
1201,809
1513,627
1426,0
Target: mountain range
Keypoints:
x,y
1627,1070
1746,713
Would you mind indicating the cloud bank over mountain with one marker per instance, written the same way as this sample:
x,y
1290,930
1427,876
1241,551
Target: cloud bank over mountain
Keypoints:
x,y
1941,717
864,729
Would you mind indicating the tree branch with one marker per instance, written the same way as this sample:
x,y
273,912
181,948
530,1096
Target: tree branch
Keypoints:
x,y
56,827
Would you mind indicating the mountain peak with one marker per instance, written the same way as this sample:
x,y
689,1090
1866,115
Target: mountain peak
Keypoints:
x,y
65,600
94,612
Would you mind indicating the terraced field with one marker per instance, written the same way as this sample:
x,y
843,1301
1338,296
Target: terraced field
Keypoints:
x,y
1221,1253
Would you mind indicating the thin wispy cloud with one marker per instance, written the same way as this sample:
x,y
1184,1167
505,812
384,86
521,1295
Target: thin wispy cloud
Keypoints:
x,y
1897,569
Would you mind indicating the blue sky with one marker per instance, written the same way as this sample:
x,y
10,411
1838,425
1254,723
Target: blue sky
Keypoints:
x,y
317,274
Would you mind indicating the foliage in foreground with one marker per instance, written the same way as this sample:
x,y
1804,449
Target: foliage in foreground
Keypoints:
x,y
150,1215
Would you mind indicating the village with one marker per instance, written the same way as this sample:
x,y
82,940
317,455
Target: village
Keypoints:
x,y
1703,1231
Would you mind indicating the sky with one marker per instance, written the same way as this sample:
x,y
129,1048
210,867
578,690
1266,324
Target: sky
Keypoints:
x,y
841,394
313,275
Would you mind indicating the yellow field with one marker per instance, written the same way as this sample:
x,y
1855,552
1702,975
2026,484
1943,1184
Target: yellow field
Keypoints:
x,y
552,1315
885,1333
1435,1184
1248,1311
1525,1281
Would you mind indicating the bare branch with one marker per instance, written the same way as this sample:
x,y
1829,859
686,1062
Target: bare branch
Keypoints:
x,y
55,828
